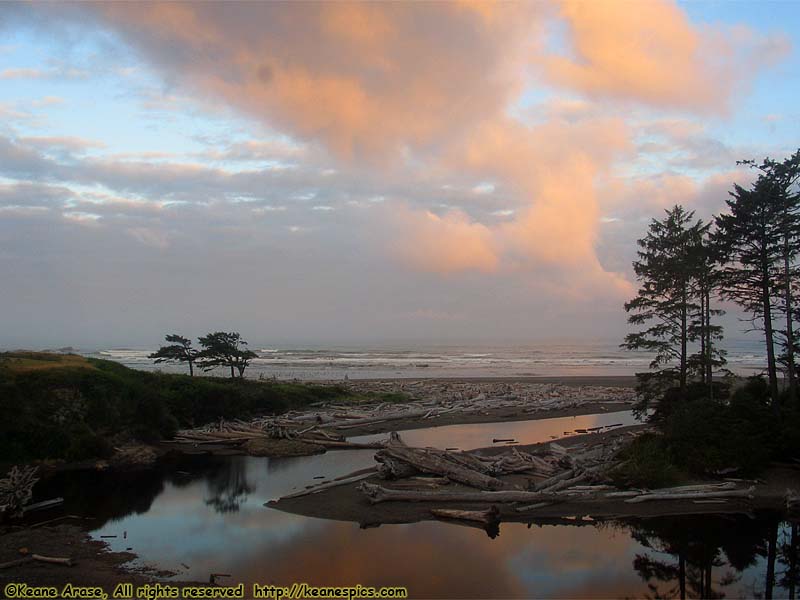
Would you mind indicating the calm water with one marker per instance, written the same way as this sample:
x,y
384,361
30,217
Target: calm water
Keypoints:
x,y
552,359
199,515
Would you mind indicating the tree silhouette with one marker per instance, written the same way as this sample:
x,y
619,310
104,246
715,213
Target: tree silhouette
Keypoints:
x,y
180,350
221,349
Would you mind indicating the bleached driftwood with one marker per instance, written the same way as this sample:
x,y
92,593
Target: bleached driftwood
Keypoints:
x,y
376,493
16,490
490,515
449,465
743,493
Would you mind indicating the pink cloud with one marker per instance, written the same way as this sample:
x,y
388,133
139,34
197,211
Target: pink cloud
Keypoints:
x,y
650,52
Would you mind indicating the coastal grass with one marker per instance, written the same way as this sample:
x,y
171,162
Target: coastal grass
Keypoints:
x,y
79,408
20,362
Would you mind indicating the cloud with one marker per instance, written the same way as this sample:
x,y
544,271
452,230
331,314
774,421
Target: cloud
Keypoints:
x,y
390,151
346,74
652,54
442,244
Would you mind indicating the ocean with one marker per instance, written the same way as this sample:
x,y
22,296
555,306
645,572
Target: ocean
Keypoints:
x,y
745,357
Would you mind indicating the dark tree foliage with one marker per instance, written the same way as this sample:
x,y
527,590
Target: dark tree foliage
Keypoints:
x,y
759,237
179,350
782,179
710,355
675,269
222,349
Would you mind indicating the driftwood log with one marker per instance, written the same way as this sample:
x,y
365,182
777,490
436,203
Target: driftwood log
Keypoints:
x,y
450,465
339,481
488,516
743,493
376,493
53,560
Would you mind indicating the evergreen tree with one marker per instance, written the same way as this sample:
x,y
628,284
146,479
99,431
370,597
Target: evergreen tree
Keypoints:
x,y
781,185
706,262
667,271
751,237
180,350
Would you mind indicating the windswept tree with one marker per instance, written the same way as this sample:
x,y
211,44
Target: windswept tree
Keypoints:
x,y
179,350
666,268
222,349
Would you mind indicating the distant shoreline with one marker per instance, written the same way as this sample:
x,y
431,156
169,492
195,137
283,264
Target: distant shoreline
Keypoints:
x,y
571,380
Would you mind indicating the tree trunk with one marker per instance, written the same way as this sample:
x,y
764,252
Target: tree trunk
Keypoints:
x,y
772,543
709,350
793,562
191,368
789,332
769,336
682,575
683,344
233,375
703,330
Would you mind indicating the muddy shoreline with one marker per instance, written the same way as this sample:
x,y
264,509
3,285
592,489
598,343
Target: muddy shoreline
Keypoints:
x,y
94,564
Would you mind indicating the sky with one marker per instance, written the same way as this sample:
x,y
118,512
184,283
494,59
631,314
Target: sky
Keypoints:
x,y
449,172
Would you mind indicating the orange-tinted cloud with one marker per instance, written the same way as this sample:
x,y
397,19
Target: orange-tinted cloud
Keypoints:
x,y
428,87
442,244
650,52
367,80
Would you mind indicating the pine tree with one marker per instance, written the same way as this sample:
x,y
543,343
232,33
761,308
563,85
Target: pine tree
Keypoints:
x,y
706,262
667,270
781,184
759,237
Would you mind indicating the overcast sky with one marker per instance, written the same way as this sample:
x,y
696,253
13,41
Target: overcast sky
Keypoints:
x,y
383,172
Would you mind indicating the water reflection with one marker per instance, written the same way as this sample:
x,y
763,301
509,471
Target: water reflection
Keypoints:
x,y
482,435
198,515
228,487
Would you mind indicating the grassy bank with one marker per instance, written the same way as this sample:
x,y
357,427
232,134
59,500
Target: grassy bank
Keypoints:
x,y
71,407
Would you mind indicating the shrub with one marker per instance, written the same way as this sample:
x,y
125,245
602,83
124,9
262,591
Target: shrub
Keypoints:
x,y
647,463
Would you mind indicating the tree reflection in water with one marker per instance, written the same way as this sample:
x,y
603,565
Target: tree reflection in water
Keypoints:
x,y
707,555
703,556
228,486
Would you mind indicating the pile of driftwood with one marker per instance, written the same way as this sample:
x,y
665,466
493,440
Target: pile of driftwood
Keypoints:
x,y
476,483
16,490
237,433
563,473
484,395
16,493
327,423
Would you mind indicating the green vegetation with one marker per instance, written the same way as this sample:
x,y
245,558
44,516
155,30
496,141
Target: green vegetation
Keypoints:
x,y
734,434
647,462
77,408
220,349
750,257
19,362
